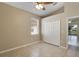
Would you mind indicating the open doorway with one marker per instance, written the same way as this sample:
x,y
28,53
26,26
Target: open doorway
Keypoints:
x,y
73,31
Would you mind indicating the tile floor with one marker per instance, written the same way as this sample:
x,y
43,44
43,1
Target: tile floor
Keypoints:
x,y
73,40
43,50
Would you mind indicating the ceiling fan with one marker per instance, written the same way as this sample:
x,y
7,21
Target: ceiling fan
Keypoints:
x,y
41,5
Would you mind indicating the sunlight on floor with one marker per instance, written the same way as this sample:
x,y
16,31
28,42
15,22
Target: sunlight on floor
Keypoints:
x,y
73,40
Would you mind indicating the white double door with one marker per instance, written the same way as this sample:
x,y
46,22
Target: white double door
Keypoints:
x,y
51,32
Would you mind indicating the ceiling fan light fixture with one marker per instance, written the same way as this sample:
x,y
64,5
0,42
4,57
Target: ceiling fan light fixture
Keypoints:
x,y
39,6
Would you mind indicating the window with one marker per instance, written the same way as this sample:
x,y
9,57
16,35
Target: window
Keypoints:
x,y
35,26
34,30
75,26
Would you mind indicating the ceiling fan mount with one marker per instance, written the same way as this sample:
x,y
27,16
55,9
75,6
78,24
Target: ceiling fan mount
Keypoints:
x,y
41,5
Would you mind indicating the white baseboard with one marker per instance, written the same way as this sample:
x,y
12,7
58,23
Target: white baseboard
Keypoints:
x,y
7,50
63,47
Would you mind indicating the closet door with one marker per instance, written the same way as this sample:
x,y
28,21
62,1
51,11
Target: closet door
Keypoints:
x,y
51,32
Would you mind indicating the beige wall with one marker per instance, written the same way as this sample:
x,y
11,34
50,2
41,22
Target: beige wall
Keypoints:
x,y
71,9
15,27
64,30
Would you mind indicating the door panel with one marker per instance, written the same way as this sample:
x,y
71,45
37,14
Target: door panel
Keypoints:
x,y
51,32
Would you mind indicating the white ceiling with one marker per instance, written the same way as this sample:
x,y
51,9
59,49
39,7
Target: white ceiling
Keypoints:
x,y
30,7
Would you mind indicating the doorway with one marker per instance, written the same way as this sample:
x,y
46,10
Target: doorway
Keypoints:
x,y
73,31
51,30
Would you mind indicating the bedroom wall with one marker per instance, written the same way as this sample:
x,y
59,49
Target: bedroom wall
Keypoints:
x,y
15,27
71,9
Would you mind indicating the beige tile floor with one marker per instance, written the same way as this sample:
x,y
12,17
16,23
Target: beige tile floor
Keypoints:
x,y
42,50
73,40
